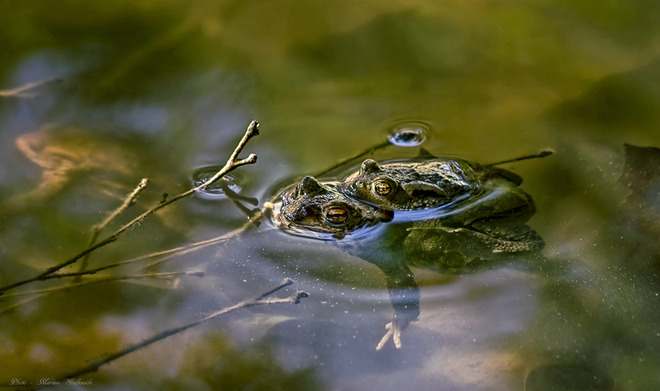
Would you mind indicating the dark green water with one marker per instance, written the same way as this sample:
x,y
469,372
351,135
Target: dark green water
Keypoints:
x,y
157,89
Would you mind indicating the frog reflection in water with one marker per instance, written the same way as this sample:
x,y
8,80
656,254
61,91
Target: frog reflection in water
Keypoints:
x,y
445,215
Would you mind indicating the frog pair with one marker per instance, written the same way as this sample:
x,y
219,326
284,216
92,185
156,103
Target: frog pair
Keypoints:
x,y
449,215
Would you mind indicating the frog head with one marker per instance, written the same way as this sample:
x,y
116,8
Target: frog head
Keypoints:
x,y
320,207
411,185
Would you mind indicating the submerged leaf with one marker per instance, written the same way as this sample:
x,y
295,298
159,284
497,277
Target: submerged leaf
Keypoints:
x,y
641,206
641,173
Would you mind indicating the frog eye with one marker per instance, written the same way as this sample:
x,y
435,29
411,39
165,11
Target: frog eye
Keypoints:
x,y
336,215
382,187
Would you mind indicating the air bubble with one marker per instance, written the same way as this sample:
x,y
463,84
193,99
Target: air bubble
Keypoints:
x,y
409,133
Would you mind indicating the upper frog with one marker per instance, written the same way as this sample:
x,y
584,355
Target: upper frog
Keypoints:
x,y
455,190
411,185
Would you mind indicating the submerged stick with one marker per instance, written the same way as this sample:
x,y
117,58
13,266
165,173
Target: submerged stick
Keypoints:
x,y
236,199
232,163
543,153
367,151
21,91
261,300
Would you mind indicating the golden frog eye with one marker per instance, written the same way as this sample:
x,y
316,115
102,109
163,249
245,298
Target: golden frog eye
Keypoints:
x,y
382,187
336,215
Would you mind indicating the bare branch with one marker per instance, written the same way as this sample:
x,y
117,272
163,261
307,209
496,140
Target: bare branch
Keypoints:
x,y
21,91
128,201
365,152
540,154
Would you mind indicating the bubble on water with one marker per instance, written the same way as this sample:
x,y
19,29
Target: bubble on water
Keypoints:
x,y
216,189
409,133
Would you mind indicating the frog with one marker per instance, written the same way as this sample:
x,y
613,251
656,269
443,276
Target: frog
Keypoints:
x,y
442,184
411,185
449,216
312,208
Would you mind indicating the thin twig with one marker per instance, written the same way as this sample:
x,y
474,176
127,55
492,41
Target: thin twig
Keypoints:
x,y
367,151
232,163
542,153
261,300
251,223
96,230
21,91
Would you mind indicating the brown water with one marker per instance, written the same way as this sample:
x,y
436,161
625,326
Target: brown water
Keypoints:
x,y
128,90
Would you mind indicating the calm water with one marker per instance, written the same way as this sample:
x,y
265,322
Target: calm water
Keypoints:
x,y
91,105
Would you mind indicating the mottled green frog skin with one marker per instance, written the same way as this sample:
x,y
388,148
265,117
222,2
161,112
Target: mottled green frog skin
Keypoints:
x,y
444,215
411,185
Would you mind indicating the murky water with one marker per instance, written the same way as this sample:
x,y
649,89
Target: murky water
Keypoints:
x,y
90,106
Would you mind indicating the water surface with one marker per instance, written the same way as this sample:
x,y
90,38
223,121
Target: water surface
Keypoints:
x,y
91,105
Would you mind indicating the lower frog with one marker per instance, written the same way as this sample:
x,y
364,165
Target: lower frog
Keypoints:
x,y
319,210
449,236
